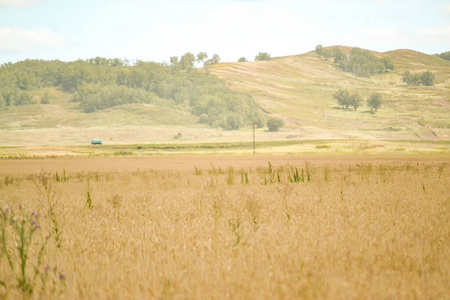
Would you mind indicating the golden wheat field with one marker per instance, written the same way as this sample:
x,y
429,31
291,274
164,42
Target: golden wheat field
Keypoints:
x,y
236,227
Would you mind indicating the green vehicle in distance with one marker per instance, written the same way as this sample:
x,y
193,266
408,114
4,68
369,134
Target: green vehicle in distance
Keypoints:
x,y
96,142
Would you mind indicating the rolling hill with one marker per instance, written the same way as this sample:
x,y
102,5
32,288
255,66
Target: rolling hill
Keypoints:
x,y
298,89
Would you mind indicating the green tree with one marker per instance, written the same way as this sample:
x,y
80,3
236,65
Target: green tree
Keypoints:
x,y
187,61
116,62
242,59
355,101
2,100
214,60
201,57
319,50
9,96
24,81
274,124
388,65
327,53
257,120
375,101
444,55
23,98
174,60
262,56
233,122
343,98
427,78
338,55
411,78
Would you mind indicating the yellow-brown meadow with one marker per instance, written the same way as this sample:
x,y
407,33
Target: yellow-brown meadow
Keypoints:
x,y
278,227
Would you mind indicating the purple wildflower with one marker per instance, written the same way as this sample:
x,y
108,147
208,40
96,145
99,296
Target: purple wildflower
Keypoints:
x,y
61,276
34,214
47,268
36,224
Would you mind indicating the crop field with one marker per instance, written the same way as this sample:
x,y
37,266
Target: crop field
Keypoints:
x,y
225,227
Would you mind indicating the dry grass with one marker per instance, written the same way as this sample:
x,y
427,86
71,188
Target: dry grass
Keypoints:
x,y
189,227
299,89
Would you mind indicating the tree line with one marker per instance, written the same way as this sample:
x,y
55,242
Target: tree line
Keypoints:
x,y
425,78
101,83
358,61
444,55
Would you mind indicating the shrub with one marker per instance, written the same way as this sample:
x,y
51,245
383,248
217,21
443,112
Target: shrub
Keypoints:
x,y
427,78
274,124
203,118
45,99
374,101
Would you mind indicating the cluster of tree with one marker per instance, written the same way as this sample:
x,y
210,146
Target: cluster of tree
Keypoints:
x,y
425,78
359,62
15,98
101,83
93,97
263,56
187,61
346,100
444,55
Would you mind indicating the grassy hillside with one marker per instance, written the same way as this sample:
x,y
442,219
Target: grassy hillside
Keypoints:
x,y
299,89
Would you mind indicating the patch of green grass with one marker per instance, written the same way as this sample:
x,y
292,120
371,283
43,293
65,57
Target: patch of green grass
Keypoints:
x,y
123,153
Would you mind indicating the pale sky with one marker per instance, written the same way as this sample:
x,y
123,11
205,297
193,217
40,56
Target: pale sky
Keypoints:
x,y
155,30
